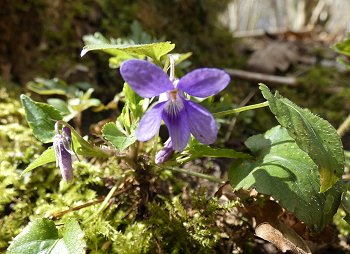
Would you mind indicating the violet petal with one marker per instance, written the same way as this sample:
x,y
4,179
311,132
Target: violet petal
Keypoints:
x,y
204,82
178,129
202,125
145,78
166,152
150,123
63,157
65,164
56,147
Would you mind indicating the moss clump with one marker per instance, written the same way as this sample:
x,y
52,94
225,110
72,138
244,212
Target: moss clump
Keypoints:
x,y
342,225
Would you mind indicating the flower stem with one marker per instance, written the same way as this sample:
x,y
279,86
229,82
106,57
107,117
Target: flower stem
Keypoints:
x,y
154,148
238,110
85,145
196,174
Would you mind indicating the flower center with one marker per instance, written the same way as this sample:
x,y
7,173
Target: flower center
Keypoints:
x,y
173,94
174,104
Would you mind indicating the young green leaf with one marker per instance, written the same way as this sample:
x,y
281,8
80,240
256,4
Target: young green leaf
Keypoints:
x,y
118,139
133,102
38,237
116,61
73,237
41,236
50,86
197,150
284,171
60,105
83,147
314,135
41,118
343,47
152,50
46,157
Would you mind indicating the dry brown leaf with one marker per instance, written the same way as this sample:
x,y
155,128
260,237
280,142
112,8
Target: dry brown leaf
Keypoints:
x,y
276,56
283,237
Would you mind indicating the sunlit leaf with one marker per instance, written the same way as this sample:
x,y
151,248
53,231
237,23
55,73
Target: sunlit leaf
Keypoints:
x,y
314,135
343,47
60,105
46,157
41,236
50,86
41,118
83,147
133,102
73,238
284,171
116,137
153,50
197,150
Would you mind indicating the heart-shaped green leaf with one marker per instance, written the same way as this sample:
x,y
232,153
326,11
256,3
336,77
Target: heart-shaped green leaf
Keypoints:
x,y
284,171
314,135
73,237
111,132
41,118
41,236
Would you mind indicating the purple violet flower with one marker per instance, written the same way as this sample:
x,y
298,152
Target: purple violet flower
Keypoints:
x,y
63,152
181,116
166,152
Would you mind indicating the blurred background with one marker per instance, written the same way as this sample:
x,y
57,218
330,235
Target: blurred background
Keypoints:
x,y
285,44
41,37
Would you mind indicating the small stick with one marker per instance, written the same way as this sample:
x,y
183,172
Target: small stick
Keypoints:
x,y
58,215
344,127
261,77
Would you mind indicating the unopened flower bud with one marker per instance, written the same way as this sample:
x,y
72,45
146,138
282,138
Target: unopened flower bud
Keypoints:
x,y
62,146
166,153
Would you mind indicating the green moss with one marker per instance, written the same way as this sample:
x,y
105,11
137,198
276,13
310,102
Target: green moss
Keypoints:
x,y
179,230
342,225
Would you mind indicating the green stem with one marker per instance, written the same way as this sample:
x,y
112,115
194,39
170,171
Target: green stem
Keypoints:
x,y
238,110
196,174
154,148
89,148
53,246
103,205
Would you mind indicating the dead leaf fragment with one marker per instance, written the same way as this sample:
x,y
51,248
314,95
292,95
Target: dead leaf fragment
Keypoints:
x,y
276,56
282,237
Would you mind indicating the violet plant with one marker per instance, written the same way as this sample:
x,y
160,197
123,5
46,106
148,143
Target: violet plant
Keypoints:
x,y
298,163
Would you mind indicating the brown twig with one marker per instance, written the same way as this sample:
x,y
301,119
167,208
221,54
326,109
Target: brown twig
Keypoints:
x,y
273,32
261,77
58,215
344,127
